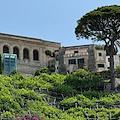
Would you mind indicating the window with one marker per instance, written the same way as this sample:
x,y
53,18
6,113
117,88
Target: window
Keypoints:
x,y
99,54
72,61
108,59
80,60
101,65
57,57
16,51
75,51
25,53
5,49
35,55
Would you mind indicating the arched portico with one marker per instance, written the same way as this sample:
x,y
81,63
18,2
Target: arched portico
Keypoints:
x,y
35,55
25,53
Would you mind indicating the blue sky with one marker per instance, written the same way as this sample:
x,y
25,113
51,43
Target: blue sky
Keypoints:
x,y
52,20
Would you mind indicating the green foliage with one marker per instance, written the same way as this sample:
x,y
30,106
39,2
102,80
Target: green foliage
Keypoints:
x,y
20,95
108,49
48,52
64,89
80,99
117,70
0,64
83,79
105,75
7,114
14,72
99,47
100,25
52,68
57,79
41,70
91,94
95,22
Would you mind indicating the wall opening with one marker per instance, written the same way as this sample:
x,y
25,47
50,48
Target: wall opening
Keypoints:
x,y
16,51
35,55
25,54
5,49
72,61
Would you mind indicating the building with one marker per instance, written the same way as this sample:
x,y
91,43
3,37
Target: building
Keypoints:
x,y
80,57
31,55
103,61
30,51
87,57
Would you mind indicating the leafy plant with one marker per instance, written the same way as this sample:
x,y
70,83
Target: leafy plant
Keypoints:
x,y
82,79
0,64
117,70
41,70
48,52
102,24
14,72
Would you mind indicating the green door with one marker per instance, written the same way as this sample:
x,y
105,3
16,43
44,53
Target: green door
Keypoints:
x,y
9,63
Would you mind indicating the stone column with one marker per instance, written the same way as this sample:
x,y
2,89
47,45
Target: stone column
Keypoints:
x,y
11,49
1,49
40,55
31,54
44,56
21,53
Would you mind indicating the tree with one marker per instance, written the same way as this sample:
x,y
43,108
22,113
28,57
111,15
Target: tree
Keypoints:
x,y
102,24
41,70
0,64
117,69
99,47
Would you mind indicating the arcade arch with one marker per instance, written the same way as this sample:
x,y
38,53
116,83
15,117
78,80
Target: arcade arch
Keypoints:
x,y
25,53
35,55
5,49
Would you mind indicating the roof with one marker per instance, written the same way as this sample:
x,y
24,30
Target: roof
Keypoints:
x,y
78,47
17,37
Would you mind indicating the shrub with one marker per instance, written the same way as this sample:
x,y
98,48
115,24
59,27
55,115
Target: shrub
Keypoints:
x,y
105,74
117,69
91,94
82,79
0,64
29,117
48,52
41,70
64,89
14,72
7,114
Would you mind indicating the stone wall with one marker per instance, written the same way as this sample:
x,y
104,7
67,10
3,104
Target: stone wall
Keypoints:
x,y
27,66
86,52
61,67
91,58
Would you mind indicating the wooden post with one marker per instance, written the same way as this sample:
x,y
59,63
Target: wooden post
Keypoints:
x,y
97,105
63,109
54,101
110,115
75,105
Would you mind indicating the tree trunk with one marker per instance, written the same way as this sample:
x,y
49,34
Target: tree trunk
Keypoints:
x,y
112,71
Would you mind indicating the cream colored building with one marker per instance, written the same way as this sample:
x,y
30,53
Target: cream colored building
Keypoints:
x,y
103,61
30,51
80,57
87,57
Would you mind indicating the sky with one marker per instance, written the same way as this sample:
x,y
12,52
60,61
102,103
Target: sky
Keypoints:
x,y
51,20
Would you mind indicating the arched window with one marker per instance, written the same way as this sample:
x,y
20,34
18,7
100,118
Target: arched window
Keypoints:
x,y
5,49
16,51
35,55
25,53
